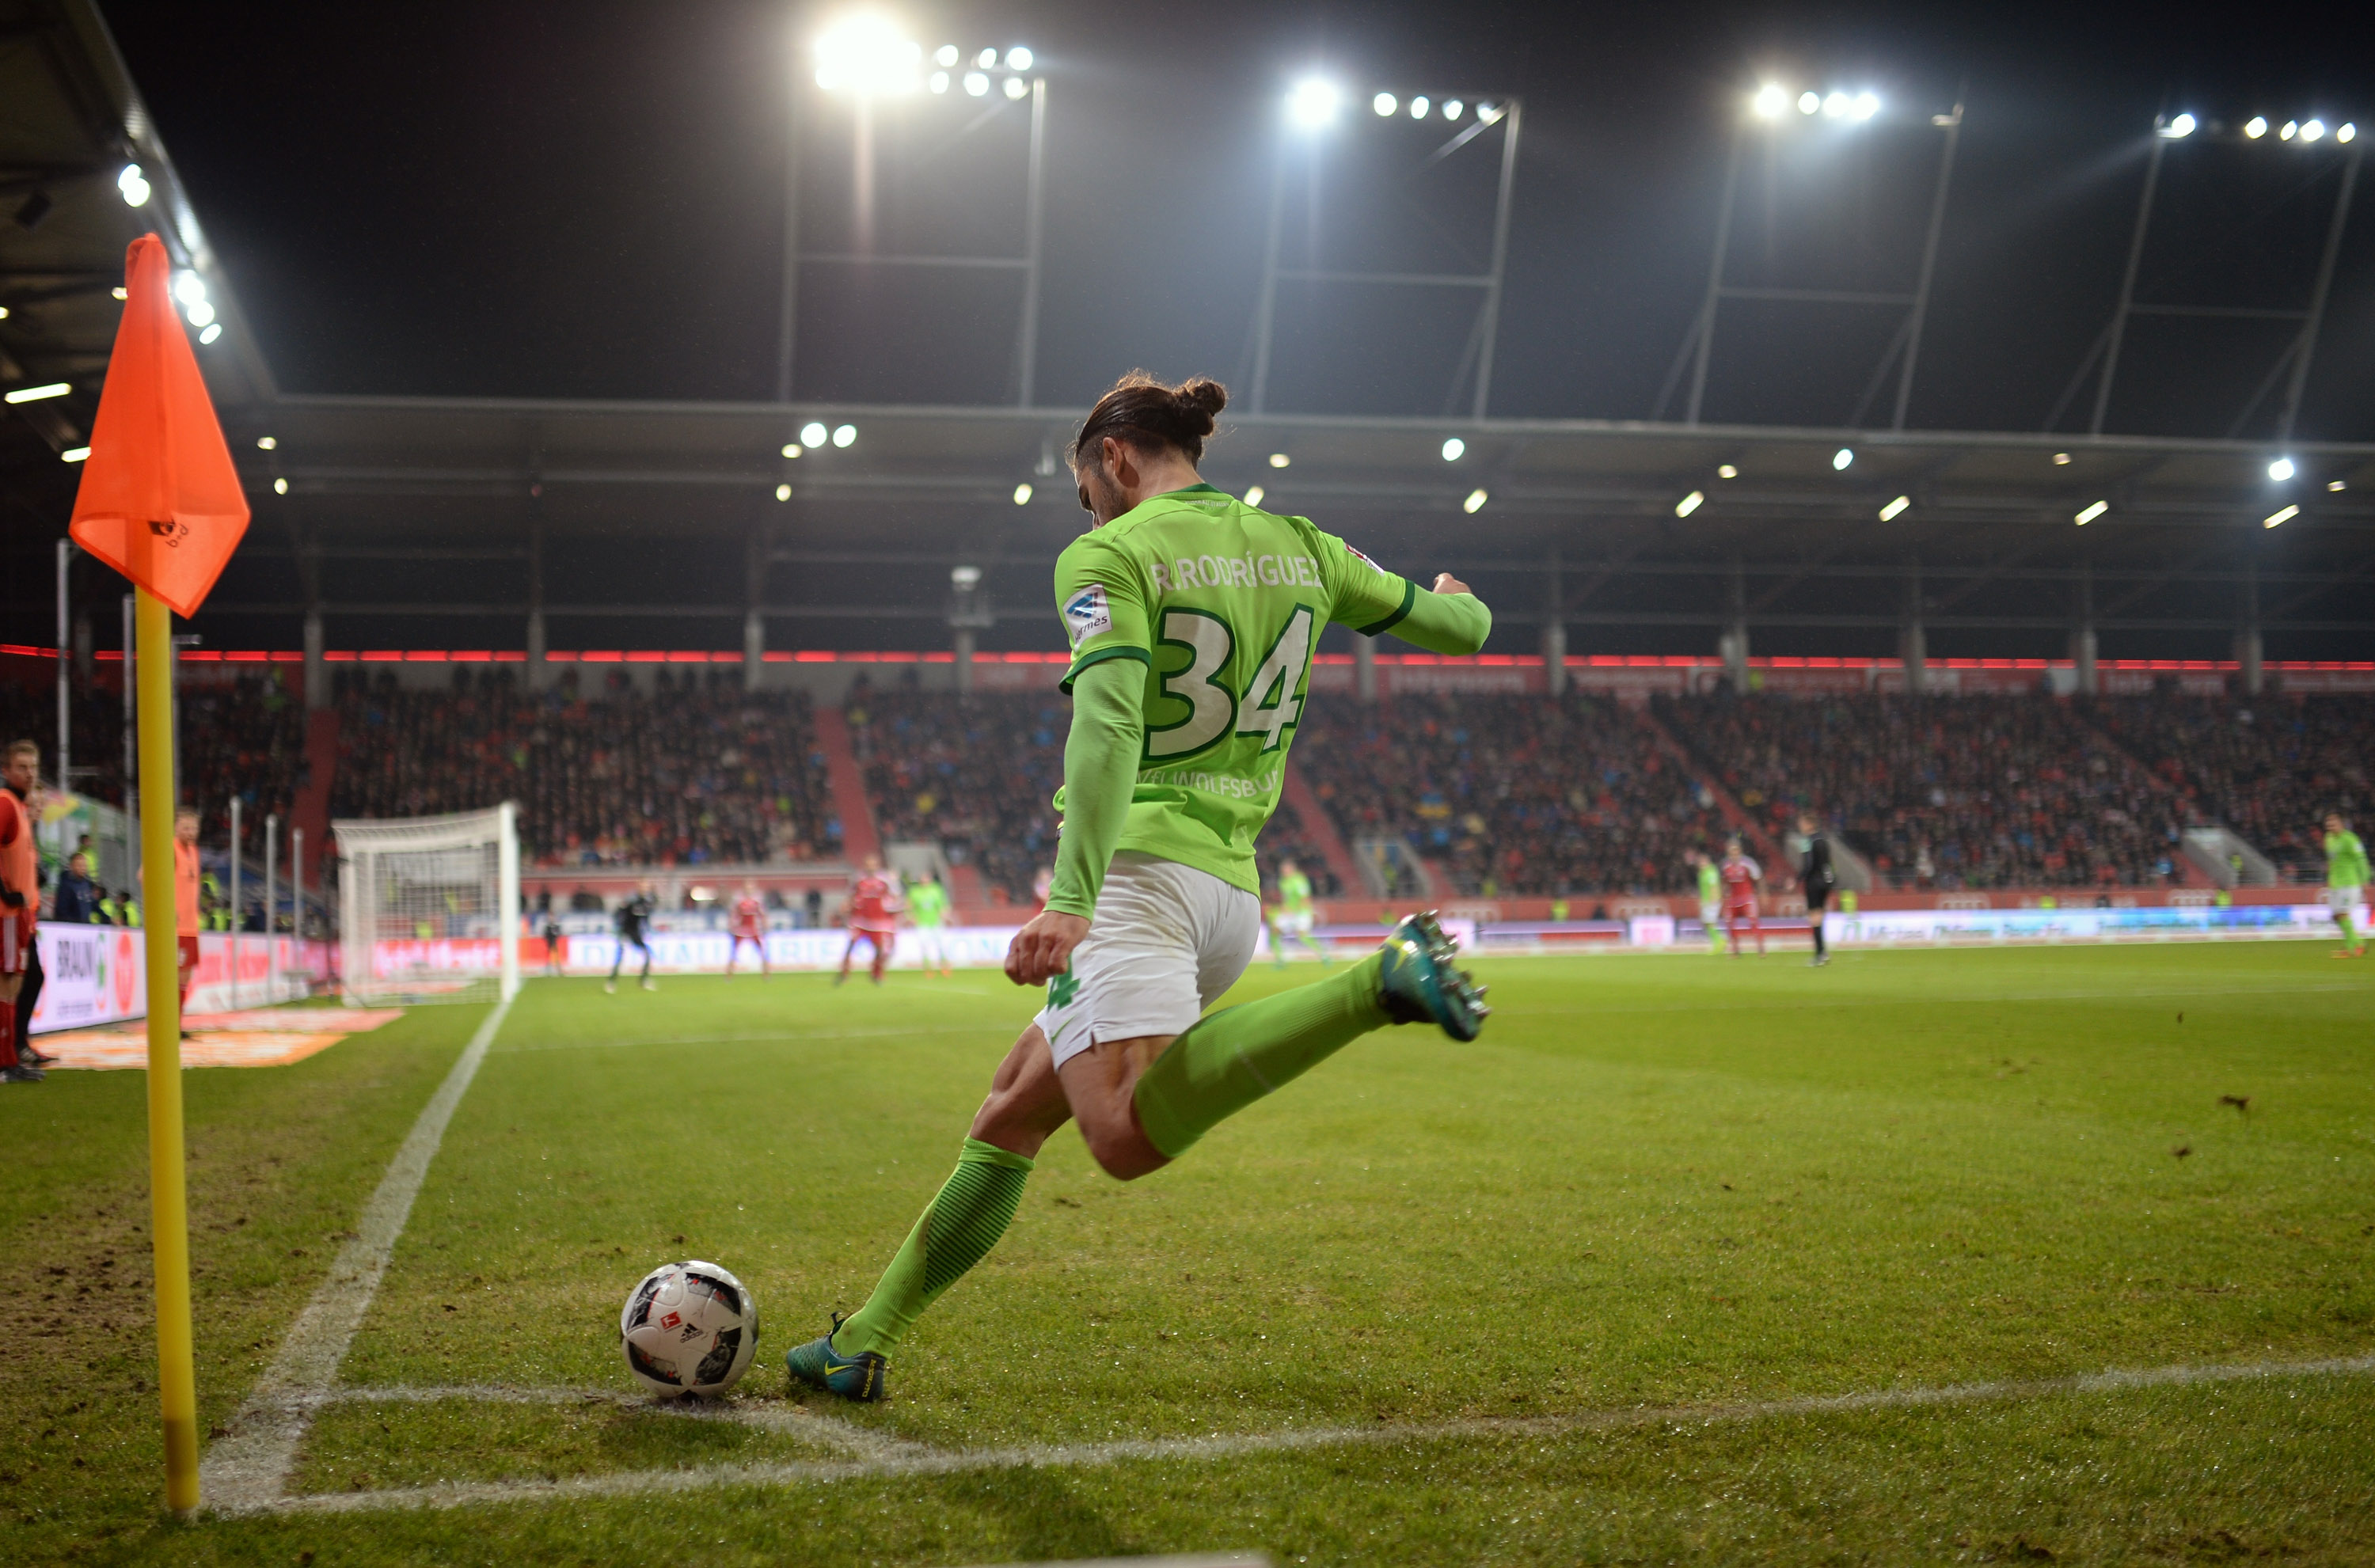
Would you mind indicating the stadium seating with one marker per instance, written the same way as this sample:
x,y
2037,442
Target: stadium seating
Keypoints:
x,y
2268,768
1944,792
246,739
689,774
1512,795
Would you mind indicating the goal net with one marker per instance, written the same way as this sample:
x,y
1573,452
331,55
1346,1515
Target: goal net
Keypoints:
x,y
428,907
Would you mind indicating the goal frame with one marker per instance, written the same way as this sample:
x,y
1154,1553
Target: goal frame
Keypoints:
x,y
362,844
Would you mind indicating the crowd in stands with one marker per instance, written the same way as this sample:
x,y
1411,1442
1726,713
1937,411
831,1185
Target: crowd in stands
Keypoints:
x,y
976,774
695,771
1943,792
1512,795
246,739
2268,768
30,712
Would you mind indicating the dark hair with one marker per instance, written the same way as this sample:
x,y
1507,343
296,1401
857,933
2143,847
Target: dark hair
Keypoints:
x,y
1148,413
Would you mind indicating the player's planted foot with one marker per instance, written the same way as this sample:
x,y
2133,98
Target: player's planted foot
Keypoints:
x,y
1420,986
650,984
609,987
819,1365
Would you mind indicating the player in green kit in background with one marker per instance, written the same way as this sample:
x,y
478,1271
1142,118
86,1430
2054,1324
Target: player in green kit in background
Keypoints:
x,y
1192,618
1295,917
2346,883
1710,899
927,906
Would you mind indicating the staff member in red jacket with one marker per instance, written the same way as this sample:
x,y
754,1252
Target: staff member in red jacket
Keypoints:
x,y
20,909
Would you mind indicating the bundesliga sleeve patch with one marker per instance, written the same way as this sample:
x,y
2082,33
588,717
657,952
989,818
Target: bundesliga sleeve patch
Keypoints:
x,y
1365,561
1087,615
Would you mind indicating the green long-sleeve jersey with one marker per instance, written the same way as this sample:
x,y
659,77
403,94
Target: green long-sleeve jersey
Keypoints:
x,y
2345,860
1211,609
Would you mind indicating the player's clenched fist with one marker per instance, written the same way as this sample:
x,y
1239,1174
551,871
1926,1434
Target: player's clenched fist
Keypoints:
x,y
1043,950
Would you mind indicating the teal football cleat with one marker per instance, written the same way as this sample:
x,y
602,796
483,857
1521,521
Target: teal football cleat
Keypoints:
x,y
1420,985
819,1365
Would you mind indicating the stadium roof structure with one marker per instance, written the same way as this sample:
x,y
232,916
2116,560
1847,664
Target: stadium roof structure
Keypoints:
x,y
392,522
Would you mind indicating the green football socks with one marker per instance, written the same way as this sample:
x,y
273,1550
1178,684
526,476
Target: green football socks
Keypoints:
x,y
1233,1057
2350,927
957,1229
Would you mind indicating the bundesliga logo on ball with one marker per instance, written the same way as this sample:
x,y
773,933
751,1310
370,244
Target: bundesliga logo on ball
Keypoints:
x,y
688,1328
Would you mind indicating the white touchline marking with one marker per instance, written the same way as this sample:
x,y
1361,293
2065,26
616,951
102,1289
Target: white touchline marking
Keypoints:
x,y
248,1468
918,1460
798,1420
780,1037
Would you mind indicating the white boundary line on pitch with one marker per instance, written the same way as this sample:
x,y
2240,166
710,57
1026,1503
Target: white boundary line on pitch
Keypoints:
x,y
914,1459
248,1468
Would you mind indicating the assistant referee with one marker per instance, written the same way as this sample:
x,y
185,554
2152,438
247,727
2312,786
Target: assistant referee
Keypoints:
x,y
1815,874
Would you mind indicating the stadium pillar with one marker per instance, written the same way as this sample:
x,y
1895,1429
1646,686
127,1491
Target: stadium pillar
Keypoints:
x,y
1733,645
317,670
1554,634
1364,669
754,621
2249,672
538,670
1912,635
2085,676
965,661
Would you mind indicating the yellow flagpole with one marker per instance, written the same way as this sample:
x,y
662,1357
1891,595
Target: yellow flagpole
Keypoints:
x,y
168,1204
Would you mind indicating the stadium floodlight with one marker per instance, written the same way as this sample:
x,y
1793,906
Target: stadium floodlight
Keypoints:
x,y
844,434
1895,509
976,84
134,185
946,55
1023,493
2291,129
1772,101
1454,450
1018,58
36,393
1419,106
190,288
1385,104
3,313
986,59
1490,114
1280,460
1312,104
2345,132
939,82
813,434
2256,127
119,293
793,449
1453,109
965,579
280,487
2312,130
1017,89
1842,457
1253,495
2091,512
2278,519
202,314
213,331
783,492
1835,104
1866,106
1726,471
2062,460
2176,130
74,454
2336,485
2281,469
1810,101
266,443
1476,502
868,53
1688,505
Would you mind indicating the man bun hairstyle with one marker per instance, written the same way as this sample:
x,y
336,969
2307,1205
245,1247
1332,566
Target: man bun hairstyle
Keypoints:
x,y
1149,413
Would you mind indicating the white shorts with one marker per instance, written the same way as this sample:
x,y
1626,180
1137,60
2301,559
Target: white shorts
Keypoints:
x,y
1298,924
1710,914
1166,941
2343,898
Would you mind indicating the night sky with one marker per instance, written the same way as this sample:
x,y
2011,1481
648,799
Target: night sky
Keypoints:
x,y
585,201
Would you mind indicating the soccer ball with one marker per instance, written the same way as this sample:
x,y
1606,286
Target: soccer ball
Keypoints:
x,y
688,1328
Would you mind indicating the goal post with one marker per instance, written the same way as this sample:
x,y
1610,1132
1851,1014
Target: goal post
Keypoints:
x,y
429,907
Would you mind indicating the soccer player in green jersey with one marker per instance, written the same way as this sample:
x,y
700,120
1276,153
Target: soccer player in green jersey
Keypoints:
x,y
1295,915
2346,883
1710,899
927,906
1192,618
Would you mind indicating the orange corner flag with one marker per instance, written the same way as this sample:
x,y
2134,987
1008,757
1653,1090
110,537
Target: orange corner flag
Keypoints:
x,y
159,501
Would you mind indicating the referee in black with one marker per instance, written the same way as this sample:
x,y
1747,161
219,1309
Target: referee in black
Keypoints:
x,y
1815,874
631,921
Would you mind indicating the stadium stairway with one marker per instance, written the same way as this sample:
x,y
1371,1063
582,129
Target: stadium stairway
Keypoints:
x,y
858,838
1735,815
312,812
1320,828
2190,874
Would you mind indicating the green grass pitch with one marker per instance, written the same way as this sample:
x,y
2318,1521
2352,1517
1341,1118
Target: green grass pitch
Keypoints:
x,y
1587,1263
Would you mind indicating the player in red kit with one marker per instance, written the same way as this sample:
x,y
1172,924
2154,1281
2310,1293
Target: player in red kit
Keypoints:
x,y
873,917
1741,876
749,924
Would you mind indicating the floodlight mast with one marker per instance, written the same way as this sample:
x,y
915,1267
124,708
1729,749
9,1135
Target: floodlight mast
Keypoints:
x,y
868,58
1310,108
